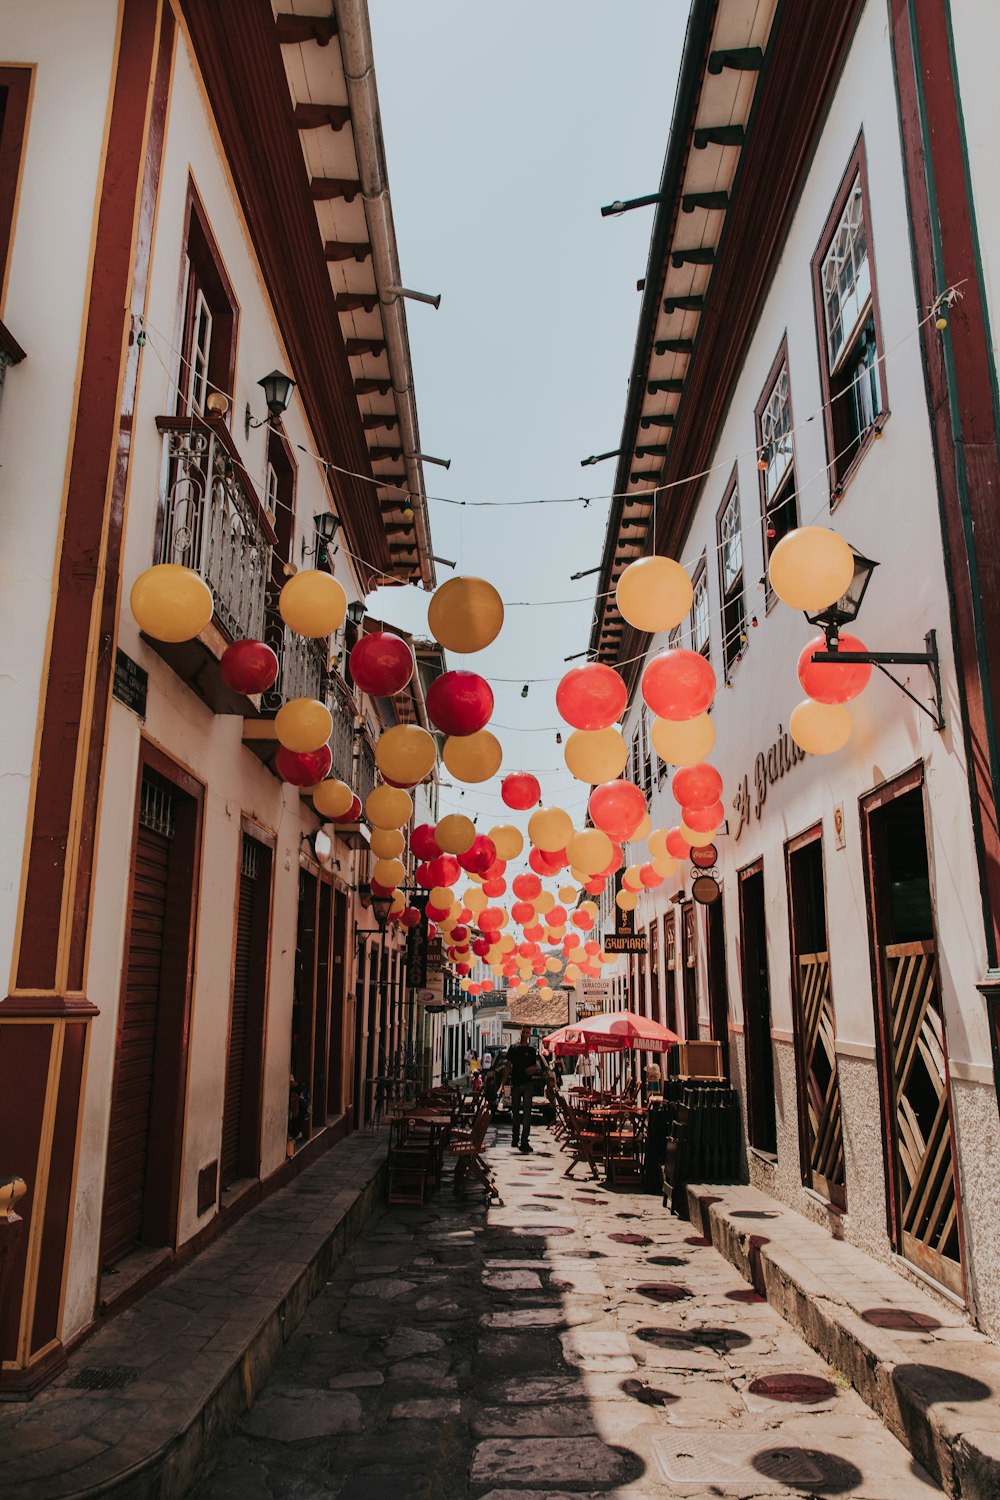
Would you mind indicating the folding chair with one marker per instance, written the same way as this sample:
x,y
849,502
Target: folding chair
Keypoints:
x,y
587,1144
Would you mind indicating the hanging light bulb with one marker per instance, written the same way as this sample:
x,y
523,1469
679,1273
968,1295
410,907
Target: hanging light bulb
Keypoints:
x,y
558,737
524,691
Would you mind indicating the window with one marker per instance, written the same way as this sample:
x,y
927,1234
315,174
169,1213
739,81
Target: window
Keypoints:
x,y
699,612
647,754
730,539
850,334
776,458
208,342
15,92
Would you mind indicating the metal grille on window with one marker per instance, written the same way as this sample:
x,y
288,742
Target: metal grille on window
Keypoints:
x,y
156,809
250,858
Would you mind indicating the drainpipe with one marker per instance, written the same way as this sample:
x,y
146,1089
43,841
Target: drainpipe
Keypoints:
x,y
355,37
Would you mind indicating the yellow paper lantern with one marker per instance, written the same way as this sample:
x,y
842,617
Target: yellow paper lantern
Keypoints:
x,y
683,742
313,603
508,840
567,894
303,724
544,902
405,753
694,838
331,799
595,755
475,900
388,807
550,829
455,833
465,615
820,728
626,900
473,757
811,568
631,879
590,851
665,866
387,843
389,872
545,991
171,602
654,594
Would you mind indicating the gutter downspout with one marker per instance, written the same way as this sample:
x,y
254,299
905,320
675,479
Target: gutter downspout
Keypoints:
x,y
359,70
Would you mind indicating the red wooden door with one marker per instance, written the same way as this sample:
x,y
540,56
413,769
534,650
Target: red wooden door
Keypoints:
x,y
236,1062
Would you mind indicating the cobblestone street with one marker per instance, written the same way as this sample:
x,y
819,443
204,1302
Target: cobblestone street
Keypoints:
x,y
574,1340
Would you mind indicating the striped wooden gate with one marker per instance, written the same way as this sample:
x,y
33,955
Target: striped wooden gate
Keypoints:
x,y
818,1060
925,1165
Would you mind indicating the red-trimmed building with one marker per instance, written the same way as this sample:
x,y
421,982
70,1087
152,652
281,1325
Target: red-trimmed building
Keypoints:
x,y
192,195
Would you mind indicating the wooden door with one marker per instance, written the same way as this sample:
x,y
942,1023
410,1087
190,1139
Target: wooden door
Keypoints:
x,y
655,1003
321,1048
240,1152
670,958
718,981
923,1204
821,1137
336,1084
304,998
229,1159
761,1123
689,970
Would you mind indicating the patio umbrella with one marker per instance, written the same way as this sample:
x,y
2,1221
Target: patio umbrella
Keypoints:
x,y
566,1042
621,1030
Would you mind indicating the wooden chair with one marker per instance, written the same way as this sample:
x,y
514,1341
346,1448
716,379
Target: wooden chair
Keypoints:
x,y
586,1143
469,1159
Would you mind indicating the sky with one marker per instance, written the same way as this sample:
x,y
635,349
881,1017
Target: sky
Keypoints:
x,y
506,129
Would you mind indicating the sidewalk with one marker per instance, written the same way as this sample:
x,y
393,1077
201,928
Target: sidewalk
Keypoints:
x,y
141,1402
932,1379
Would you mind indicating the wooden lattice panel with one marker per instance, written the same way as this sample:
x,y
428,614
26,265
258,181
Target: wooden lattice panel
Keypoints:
x,y
822,1088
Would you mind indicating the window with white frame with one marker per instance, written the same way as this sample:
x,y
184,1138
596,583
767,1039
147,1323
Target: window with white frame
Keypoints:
x,y
845,277
700,635
201,350
776,460
730,540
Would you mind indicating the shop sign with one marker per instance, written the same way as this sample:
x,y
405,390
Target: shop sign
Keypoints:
x,y
769,767
417,943
705,889
624,939
131,684
705,857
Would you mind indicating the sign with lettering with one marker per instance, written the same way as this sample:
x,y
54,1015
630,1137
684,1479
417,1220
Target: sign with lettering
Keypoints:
x,y
417,943
705,890
624,939
769,767
130,684
705,857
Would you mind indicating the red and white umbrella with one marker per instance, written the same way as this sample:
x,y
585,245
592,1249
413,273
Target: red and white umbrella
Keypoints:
x,y
621,1030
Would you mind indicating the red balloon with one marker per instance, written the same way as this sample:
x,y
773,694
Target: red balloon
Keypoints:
x,y
703,819
478,858
522,911
677,844
697,786
678,684
444,870
495,871
535,932
594,887
582,919
410,916
591,697
459,933
490,919
556,917
481,947
307,768
352,814
473,989
526,949
436,913
423,843
377,889
538,965
592,946
485,986
649,877
465,917
828,682
424,877
459,702
463,970
494,888
527,887
617,807
547,864
521,790
249,667
381,664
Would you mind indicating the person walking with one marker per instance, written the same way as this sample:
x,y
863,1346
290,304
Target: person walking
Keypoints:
x,y
521,1068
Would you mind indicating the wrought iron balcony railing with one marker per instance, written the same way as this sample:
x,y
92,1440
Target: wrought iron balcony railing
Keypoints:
x,y
301,664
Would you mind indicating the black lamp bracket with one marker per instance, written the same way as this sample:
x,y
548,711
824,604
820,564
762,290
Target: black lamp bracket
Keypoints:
x,y
884,659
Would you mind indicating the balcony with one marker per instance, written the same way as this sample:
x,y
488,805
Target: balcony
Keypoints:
x,y
211,520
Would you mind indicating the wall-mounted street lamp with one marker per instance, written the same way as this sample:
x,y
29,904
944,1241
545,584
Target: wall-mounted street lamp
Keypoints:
x,y
325,525
277,389
356,612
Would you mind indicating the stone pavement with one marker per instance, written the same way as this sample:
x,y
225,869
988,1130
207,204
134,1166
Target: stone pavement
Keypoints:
x,y
573,1341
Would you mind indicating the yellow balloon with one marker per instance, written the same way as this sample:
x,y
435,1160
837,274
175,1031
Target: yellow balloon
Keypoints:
x,y
550,829
313,603
389,872
474,900
405,753
331,799
665,866
695,839
303,724
630,878
544,902
590,851
455,833
811,568
388,807
590,906
552,965
580,876
653,594
595,755
641,829
683,742
465,615
567,893
171,602
507,944
472,757
387,843
465,984
820,728
439,896
545,992
556,934
572,973
626,900
398,902
496,968
656,843
522,989
508,840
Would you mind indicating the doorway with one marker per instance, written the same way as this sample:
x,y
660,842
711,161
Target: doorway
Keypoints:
x,y
718,981
240,1151
321,1043
655,1003
923,1204
689,970
670,957
336,1101
304,995
821,1137
762,1131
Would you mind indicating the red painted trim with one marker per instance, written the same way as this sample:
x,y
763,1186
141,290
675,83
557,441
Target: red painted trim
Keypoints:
x,y
17,82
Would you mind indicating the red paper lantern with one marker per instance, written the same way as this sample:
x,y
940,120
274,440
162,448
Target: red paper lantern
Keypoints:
x,y
617,807
490,919
697,786
521,912
678,684
352,814
649,877
423,843
591,697
480,855
304,768
677,844
521,790
381,664
444,870
703,819
249,667
410,916
830,682
526,887
459,703
495,887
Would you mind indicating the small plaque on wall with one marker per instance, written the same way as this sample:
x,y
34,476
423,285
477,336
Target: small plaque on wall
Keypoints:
x,y
130,684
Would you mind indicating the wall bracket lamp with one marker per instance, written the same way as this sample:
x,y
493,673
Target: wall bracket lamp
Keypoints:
x,y
277,388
